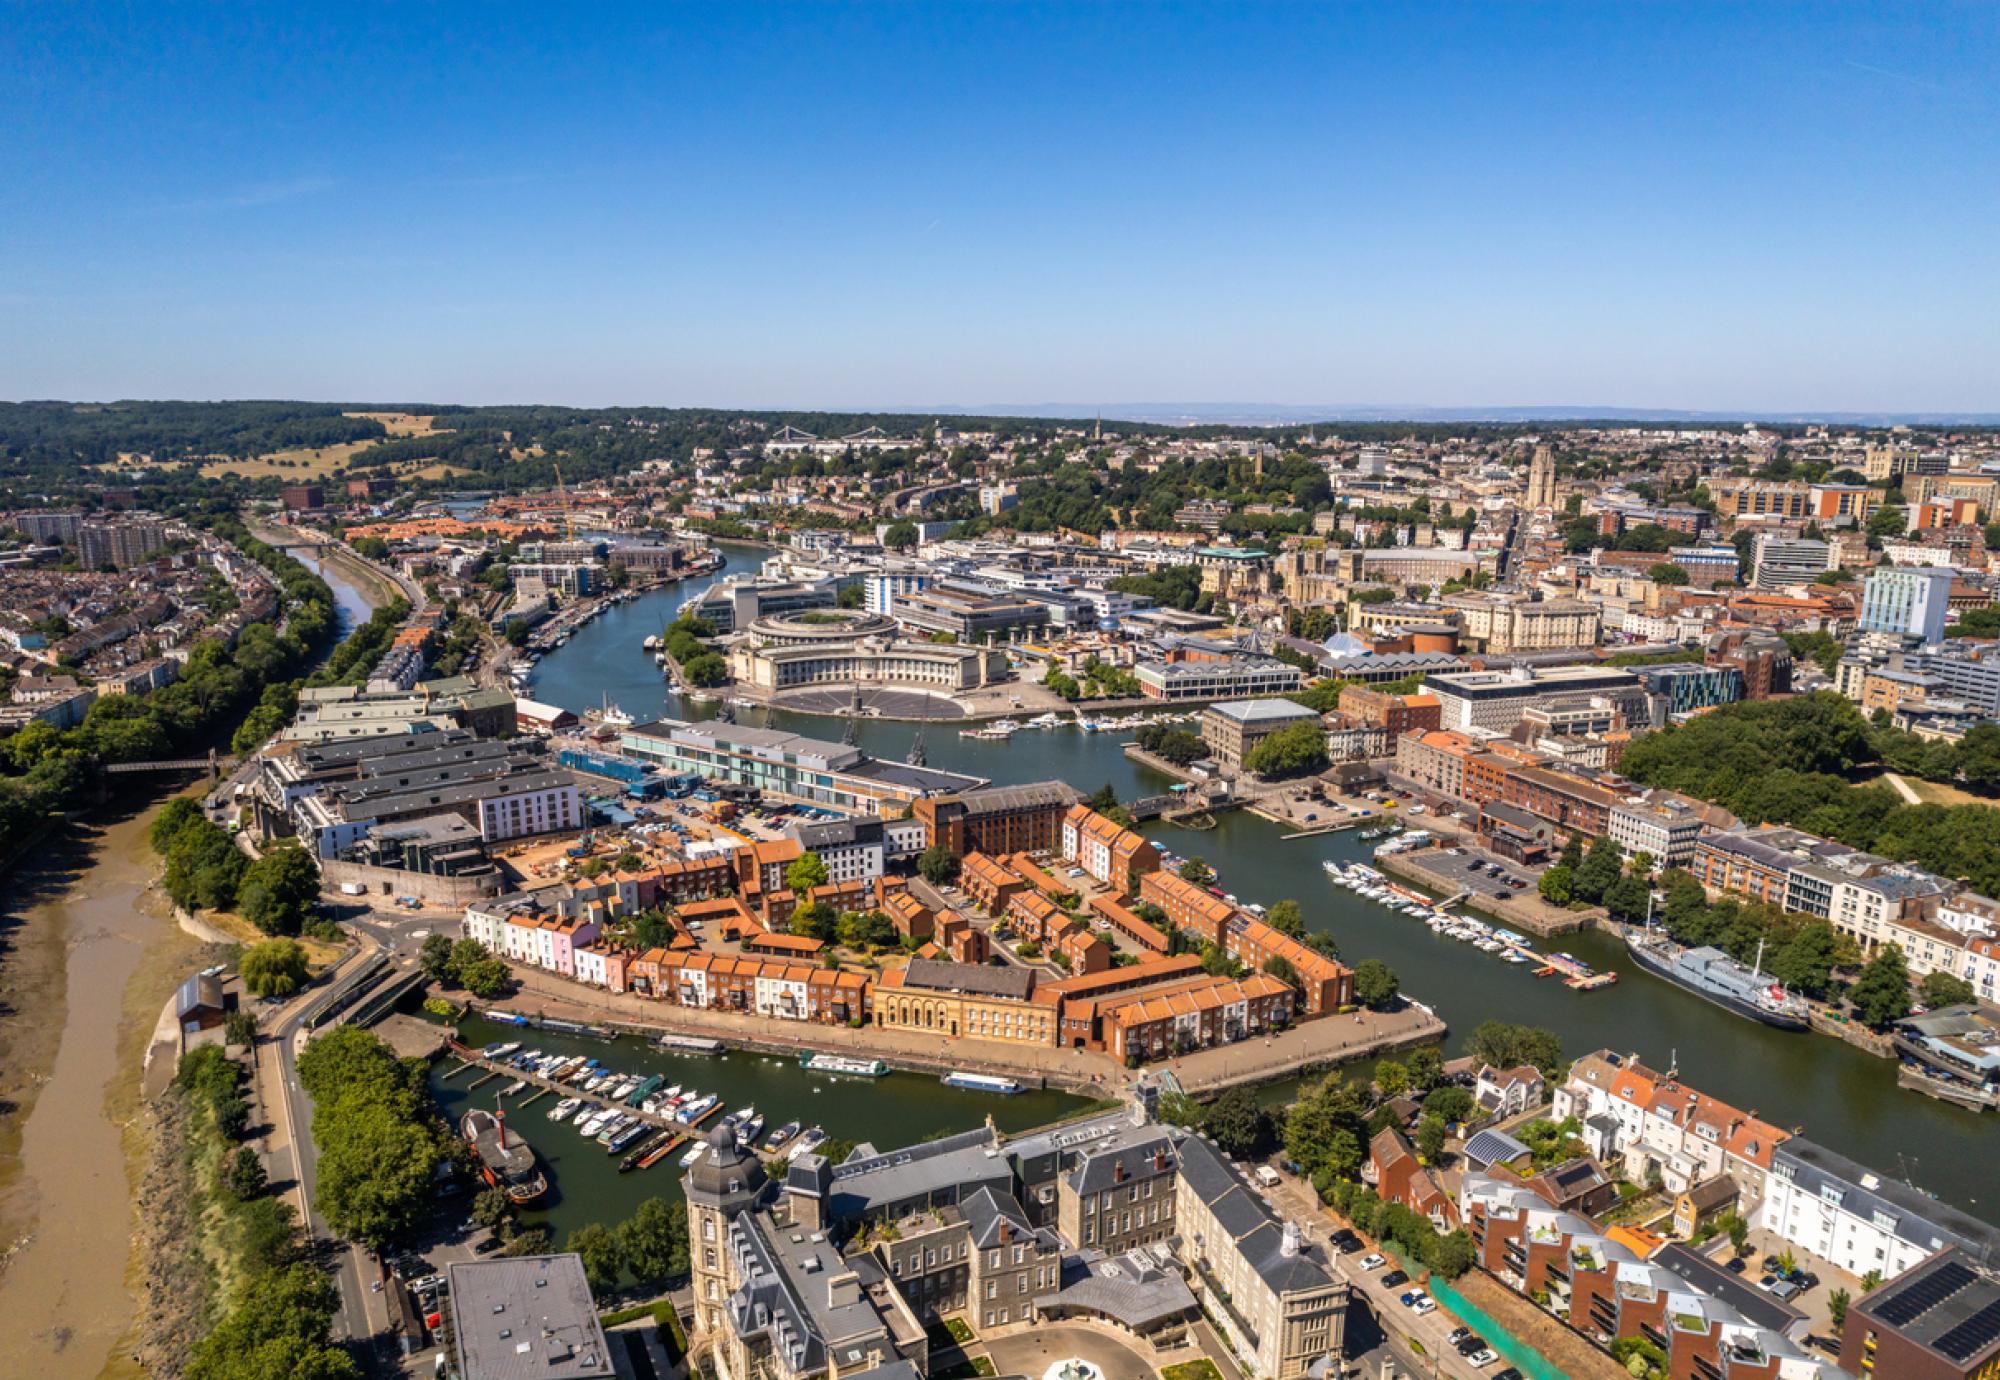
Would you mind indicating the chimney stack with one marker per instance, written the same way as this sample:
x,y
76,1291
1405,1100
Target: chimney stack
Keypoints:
x,y
1118,1171
1293,1240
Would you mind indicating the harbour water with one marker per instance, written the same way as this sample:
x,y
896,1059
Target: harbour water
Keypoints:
x,y
1837,1094
584,1183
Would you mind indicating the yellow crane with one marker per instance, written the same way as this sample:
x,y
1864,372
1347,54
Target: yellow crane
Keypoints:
x,y
562,496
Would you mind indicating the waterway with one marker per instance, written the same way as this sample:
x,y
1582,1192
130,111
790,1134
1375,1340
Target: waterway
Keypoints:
x,y
584,1183
1833,1092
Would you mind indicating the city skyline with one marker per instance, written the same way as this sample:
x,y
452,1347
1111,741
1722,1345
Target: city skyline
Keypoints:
x,y
1747,213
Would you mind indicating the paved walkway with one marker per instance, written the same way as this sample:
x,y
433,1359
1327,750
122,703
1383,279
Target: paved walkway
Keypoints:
x,y
1329,1040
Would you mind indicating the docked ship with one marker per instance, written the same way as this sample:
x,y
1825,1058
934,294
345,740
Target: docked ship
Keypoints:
x,y
841,1063
1708,972
980,1082
508,1162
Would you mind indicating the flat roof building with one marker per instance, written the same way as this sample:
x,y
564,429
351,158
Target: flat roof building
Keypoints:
x,y
527,1318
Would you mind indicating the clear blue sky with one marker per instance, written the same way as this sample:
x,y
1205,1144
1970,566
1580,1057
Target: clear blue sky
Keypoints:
x,y
1755,207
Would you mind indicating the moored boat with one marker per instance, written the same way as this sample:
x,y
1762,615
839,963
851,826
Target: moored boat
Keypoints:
x,y
507,1162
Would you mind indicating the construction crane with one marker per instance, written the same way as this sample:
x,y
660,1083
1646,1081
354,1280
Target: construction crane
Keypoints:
x,y
562,497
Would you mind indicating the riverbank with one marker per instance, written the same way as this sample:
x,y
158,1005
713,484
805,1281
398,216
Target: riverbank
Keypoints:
x,y
97,954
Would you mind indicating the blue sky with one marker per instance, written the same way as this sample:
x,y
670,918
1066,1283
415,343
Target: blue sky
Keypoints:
x,y
1748,207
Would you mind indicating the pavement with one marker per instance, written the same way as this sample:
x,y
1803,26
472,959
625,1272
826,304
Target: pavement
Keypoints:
x,y
1296,1199
1032,1352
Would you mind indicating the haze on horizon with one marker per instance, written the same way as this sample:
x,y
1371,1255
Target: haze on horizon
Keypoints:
x,y
1757,210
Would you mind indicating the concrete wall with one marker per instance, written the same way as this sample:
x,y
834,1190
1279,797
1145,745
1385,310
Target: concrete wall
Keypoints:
x,y
392,882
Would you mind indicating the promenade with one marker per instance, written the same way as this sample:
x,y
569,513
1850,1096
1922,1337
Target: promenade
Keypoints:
x,y
1312,1044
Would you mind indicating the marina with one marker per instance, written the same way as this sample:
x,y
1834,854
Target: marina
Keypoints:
x,y
1795,1082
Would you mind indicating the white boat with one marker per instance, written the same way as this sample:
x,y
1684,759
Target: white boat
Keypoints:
x,y
1087,725
980,1082
562,1109
700,1149
514,1088
501,1051
596,1121
811,1140
1044,721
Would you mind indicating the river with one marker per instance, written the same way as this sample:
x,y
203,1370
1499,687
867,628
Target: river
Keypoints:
x,y
1833,1092
89,953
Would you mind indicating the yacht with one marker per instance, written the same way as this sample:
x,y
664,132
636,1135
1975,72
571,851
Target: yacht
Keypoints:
x,y
562,1109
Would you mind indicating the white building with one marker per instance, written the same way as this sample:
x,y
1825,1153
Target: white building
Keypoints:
x,y
1860,1221
1901,600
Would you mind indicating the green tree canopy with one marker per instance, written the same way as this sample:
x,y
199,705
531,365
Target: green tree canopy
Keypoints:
x,y
274,968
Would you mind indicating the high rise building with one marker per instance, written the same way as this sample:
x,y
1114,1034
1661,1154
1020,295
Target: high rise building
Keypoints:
x,y
121,543
1902,599
1542,479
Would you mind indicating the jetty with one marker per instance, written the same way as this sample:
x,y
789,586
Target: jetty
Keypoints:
x,y
472,1058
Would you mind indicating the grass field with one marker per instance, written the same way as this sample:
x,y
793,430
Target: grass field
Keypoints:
x,y
399,423
301,465
1929,792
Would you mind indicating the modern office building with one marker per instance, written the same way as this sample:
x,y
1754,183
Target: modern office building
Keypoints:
x,y
1900,599
789,765
1234,727
1785,561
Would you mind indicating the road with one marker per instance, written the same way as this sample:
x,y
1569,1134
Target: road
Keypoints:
x,y
1295,1197
364,1314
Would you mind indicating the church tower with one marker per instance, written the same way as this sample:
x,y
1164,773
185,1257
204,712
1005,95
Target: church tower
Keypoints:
x,y
1542,479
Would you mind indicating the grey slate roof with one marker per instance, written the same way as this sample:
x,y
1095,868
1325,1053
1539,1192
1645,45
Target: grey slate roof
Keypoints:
x,y
1210,1177
1100,1169
1920,1219
939,976
1756,1306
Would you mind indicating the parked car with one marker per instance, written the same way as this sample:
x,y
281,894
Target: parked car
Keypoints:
x,y
1469,1343
1372,1261
1784,1289
1459,1334
1484,1358
1735,1265
1423,1306
1767,1283
1395,1279
1770,1264
1408,1298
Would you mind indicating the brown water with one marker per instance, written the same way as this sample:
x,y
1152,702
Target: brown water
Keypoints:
x,y
86,922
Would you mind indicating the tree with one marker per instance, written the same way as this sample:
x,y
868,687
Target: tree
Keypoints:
x,y
377,1170
274,968
1667,573
1572,853
1284,917
1449,1104
1944,989
1557,885
435,957
1805,962
485,979
1239,1126
1881,995
1327,1128
654,1242
243,1174
240,1028
1426,1067
1601,867
1280,967
1836,1308
937,865
1505,1046
1738,1231
806,874
1627,898
816,920
279,891
901,535
1295,750
1431,1136
1196,871
1392,1078
1454,1254
490,1209
281,1329
602,1253
1375,984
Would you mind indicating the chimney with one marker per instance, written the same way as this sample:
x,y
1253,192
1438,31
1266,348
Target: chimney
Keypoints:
x,y
1118,1171
1006,1231
1292,1240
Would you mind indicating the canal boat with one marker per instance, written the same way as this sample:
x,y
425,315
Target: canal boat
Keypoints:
x,y
842,1063
625,1136
637,1159
1713,975
506,1162
981,1082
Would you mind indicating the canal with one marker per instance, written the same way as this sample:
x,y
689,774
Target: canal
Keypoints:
x,y
584,1183
1830,1090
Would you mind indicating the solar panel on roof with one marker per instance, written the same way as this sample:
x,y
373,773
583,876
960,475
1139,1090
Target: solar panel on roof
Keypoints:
x,y
1924,1294
1973,1335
